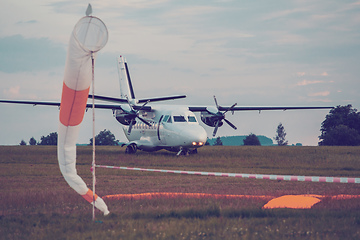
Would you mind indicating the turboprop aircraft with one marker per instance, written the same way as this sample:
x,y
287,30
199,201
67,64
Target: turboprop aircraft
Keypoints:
x,y
170,127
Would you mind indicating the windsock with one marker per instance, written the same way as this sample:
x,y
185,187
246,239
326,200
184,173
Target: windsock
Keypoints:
x,y
88,37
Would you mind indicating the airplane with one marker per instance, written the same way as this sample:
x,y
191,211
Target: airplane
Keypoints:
x,y
170,127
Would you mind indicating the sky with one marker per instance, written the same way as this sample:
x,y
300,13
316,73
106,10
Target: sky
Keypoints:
x,y
254,53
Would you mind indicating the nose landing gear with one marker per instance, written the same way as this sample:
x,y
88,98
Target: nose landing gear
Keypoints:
x,y
131,149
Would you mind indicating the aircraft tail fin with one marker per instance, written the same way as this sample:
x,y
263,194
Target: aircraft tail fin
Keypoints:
x,y
126,88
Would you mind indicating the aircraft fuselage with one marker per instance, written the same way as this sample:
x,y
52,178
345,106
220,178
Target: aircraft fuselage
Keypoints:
x,y
170,128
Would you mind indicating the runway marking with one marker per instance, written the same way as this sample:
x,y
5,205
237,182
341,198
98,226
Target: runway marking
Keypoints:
x,y
153,195
246,175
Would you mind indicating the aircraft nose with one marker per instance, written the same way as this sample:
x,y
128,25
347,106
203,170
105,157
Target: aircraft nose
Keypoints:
x,y
196,136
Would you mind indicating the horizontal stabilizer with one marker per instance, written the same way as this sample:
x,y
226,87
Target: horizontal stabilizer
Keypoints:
x,y
159,99
109,99
120,100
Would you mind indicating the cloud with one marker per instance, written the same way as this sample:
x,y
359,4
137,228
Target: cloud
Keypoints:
x,y
13,92
27,22
192,11
325,74
300,74
19,54
319,94
308,82
283,14
285,38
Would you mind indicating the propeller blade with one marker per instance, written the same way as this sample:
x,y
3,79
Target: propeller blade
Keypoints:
x,y
144,121
131,125
229,109
216,103
219,116
231,125
216,128
143,105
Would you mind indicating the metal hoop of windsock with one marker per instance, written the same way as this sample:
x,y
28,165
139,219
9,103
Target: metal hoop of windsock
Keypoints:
x,y
88,37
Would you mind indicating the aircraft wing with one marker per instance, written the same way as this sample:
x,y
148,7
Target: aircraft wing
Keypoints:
x,y
214,118
99,106
31,102
269,108
205,109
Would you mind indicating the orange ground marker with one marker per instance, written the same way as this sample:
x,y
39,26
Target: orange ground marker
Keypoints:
x,y
293,201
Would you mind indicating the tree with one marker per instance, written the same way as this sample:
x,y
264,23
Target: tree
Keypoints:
x,y
32,141
105,137
218,142
252,140
280,135
50,139
341,136
22,143
341,127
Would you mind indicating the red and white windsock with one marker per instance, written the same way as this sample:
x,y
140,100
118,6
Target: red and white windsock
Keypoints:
x,y
88,37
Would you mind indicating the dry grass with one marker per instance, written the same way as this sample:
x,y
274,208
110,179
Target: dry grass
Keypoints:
x,y
36,202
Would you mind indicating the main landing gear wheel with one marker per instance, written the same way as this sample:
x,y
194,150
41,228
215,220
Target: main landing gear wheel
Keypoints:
x,y
186,152
131,149
194,151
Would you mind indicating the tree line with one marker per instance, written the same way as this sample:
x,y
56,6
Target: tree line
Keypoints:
x,y
341,127
50,139
105,137
253,140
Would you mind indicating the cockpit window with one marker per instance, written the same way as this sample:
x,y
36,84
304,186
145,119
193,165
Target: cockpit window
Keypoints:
x,y
166,117
179,119
192,119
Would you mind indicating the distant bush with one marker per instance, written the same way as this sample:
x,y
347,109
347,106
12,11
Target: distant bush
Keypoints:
x,y
105,137
252,140
50,139
32,141
218,142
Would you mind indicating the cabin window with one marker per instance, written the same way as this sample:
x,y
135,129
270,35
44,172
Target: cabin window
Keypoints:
x,y
179,119
191,119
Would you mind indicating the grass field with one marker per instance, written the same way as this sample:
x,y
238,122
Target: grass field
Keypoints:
x,y
37,203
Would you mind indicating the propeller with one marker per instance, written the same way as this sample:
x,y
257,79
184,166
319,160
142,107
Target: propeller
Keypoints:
x,y
219,116
133,114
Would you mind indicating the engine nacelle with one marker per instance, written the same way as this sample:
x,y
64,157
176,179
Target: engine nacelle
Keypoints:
x,y
123,117
210,119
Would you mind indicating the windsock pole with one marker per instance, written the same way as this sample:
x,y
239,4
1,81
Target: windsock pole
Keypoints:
x,y
93,143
